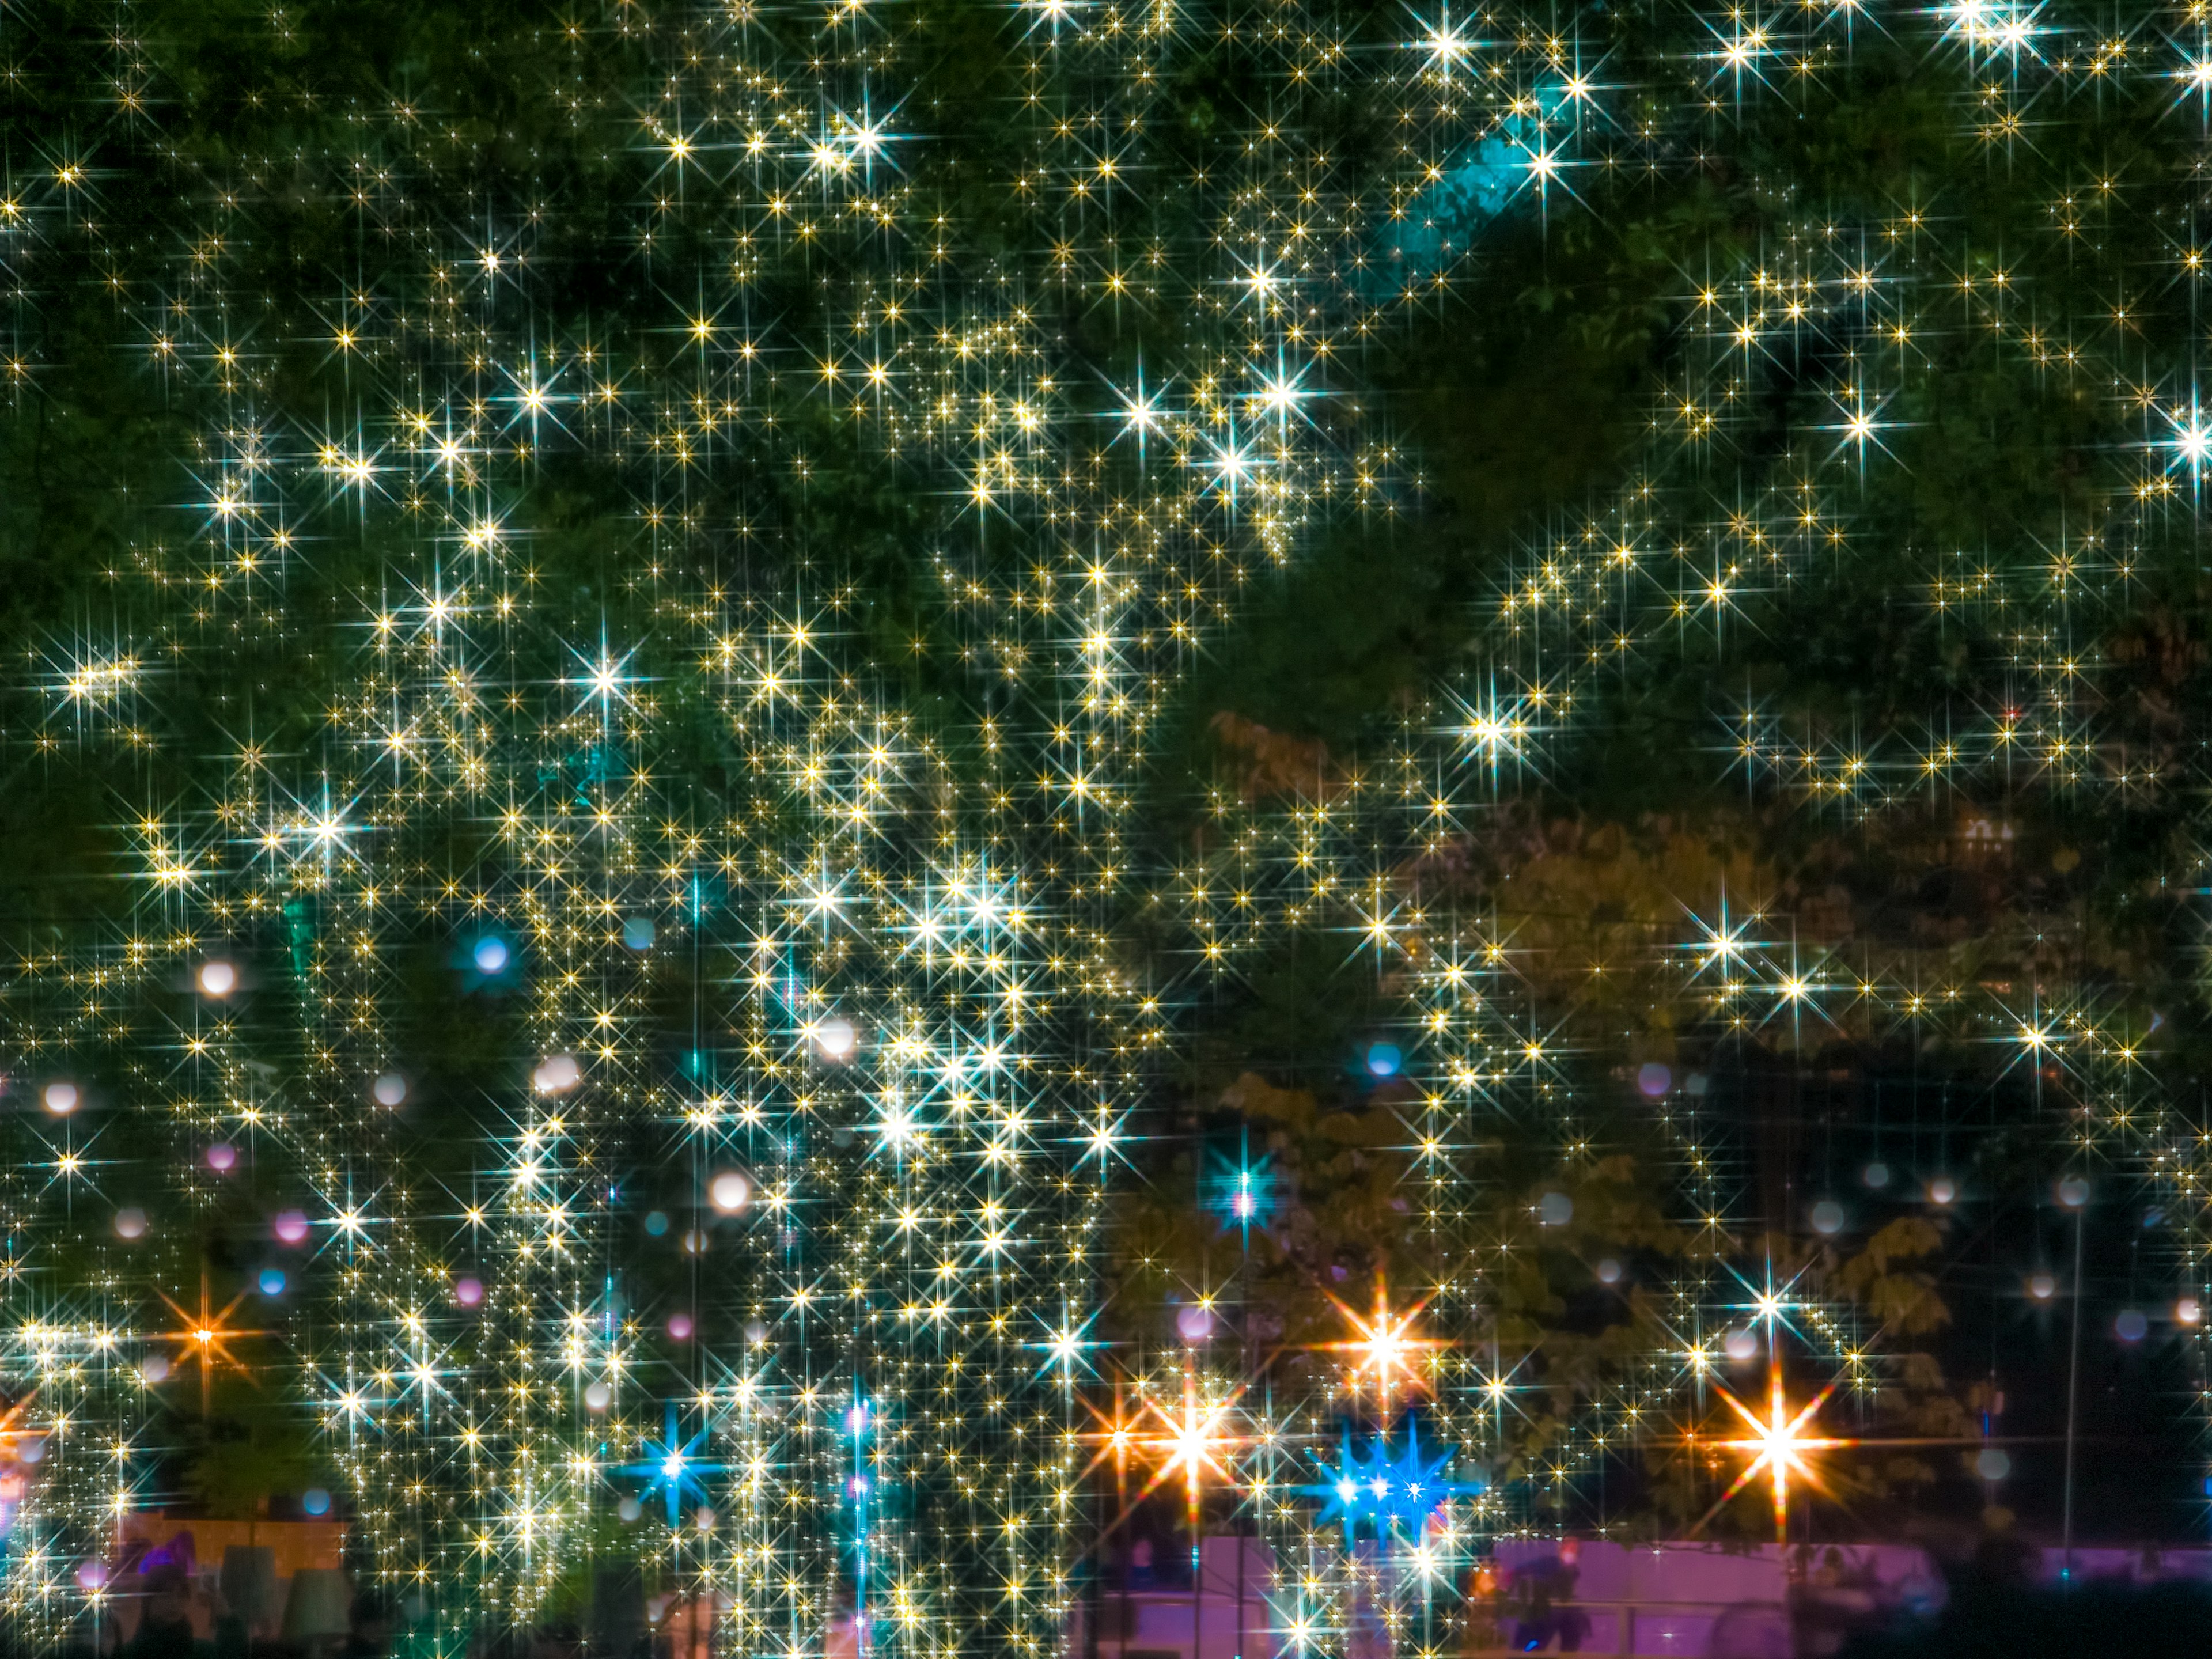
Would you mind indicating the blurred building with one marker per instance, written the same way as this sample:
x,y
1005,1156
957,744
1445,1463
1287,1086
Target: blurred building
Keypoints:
x,y
1699,1601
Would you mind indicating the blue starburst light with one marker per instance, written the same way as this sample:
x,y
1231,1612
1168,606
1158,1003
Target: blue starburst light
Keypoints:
x,y
672,1468
1386,1490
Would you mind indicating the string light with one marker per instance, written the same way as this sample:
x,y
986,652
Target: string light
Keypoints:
x,y
633,846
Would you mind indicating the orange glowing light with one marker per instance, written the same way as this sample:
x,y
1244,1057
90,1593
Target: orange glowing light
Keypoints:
x,y
1779,1442
13,1432
205,1337
1386,1347
1188,1442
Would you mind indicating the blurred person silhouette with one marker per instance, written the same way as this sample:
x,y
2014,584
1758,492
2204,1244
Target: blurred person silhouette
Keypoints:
x,y
1539,1595
165,1630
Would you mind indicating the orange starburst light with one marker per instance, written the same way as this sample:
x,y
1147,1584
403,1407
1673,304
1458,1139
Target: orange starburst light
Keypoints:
x,y
1779,1442
204,1339
1116,1437
1386,1348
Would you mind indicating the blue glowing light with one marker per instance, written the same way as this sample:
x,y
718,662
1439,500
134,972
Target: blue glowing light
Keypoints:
x,y
1386,1491
1442,222
486,958
1384,1059
672,1468
273,1281
1239,1191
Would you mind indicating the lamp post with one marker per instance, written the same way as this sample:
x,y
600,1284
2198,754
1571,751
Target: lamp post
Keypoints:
x,y
2073,1193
